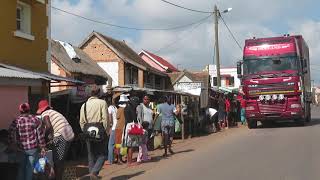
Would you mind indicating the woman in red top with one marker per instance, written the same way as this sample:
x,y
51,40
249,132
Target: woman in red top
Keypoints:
x,y
228,106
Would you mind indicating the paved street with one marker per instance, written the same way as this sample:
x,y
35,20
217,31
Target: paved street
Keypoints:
x,y
283,152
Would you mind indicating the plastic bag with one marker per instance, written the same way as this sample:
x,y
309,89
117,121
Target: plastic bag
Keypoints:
x,y
157,141
123,151
177,126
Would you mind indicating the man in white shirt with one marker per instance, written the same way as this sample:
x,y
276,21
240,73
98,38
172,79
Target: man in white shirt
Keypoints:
x,y
112,112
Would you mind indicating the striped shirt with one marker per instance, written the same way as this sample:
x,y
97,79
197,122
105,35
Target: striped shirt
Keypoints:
x,y
27,132
59,124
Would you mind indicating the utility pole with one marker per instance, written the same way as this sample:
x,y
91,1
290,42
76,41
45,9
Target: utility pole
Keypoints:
x,y
216,32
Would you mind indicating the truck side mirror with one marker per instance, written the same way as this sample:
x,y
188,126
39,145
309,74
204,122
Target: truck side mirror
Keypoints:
x,y
239,70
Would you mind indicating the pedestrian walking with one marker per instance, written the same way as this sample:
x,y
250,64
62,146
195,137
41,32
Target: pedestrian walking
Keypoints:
x,y
145,115
228,110
112,112
27,136
168,112
94,122
243,110
62,135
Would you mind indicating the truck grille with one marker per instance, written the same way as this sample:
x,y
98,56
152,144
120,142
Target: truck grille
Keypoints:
x,y
271,108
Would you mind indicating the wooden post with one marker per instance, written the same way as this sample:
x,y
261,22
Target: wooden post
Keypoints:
x,y
182,119
191,119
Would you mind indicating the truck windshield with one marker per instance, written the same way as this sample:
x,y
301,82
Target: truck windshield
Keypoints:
x,y
261,65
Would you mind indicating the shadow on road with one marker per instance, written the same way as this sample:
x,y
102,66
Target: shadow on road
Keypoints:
x,y
123,177
288,124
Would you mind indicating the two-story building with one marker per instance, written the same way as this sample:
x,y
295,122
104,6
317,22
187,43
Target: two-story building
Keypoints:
x,y
24,37
122,63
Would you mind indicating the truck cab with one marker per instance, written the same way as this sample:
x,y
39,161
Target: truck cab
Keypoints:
x,y
275,78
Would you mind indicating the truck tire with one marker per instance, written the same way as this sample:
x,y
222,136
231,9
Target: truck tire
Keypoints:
x,y
252,124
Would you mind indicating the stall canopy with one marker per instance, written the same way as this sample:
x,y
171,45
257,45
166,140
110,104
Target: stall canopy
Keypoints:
x,y
225,89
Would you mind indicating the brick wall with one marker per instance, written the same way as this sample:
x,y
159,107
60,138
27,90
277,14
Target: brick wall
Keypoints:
x,y
100,52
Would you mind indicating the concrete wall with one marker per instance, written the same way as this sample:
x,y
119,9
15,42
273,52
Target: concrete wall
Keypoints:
x,y
112,68
13,96
22,52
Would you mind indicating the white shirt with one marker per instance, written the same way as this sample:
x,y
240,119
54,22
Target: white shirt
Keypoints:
x,y
113,111
212,112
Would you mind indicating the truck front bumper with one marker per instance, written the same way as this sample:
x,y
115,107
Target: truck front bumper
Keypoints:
x,y
284,116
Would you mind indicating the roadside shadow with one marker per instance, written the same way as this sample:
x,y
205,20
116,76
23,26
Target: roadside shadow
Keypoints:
x,y
288,124
124,177
184,151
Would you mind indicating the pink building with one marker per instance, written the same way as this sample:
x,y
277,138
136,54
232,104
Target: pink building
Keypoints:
x,y
157,62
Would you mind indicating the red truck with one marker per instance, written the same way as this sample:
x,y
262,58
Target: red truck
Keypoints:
x,y
275,79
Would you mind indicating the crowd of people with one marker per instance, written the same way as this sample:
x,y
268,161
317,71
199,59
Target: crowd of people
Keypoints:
x,y
225,110
130,129
113,128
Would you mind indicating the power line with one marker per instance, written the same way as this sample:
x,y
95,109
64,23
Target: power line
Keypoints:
x,y
127,27
234,38
181,38
199,11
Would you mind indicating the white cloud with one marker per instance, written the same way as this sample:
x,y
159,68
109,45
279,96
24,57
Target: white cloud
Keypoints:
x,y
194,49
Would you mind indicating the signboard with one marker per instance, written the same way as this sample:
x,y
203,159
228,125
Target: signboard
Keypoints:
x,y
212,70
185,86
268,49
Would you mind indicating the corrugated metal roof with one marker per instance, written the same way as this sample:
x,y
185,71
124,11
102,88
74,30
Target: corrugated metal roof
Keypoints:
x,y
10,73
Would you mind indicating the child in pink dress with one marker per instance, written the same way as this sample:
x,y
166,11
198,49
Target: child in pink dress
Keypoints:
x,y
143,150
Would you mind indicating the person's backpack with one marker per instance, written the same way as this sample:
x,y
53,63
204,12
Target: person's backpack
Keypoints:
x,y
94,131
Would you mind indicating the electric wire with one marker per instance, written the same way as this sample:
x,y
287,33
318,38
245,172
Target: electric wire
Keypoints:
x,y
127,27
182,7
232,35
181,38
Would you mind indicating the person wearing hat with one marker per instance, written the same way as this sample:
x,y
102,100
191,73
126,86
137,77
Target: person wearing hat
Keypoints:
x,y
62,135
120,122
26,135
94,111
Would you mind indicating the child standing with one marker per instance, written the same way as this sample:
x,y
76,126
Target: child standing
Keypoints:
x,y
143,150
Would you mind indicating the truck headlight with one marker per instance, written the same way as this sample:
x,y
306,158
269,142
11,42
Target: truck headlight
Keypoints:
x,y
261,97
295,106
274,97
268,97
281,97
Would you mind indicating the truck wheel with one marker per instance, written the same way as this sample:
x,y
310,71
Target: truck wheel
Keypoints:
x,y
252,124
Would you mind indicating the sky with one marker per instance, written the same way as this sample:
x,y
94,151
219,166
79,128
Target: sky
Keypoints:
x,y
191,47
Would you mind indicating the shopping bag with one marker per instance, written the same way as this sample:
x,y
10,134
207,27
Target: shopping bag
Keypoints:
x,y
42,167
123,151
157,141
177,126
135,129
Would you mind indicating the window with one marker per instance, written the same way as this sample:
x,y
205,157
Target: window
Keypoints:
x,y
19,11
23,21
